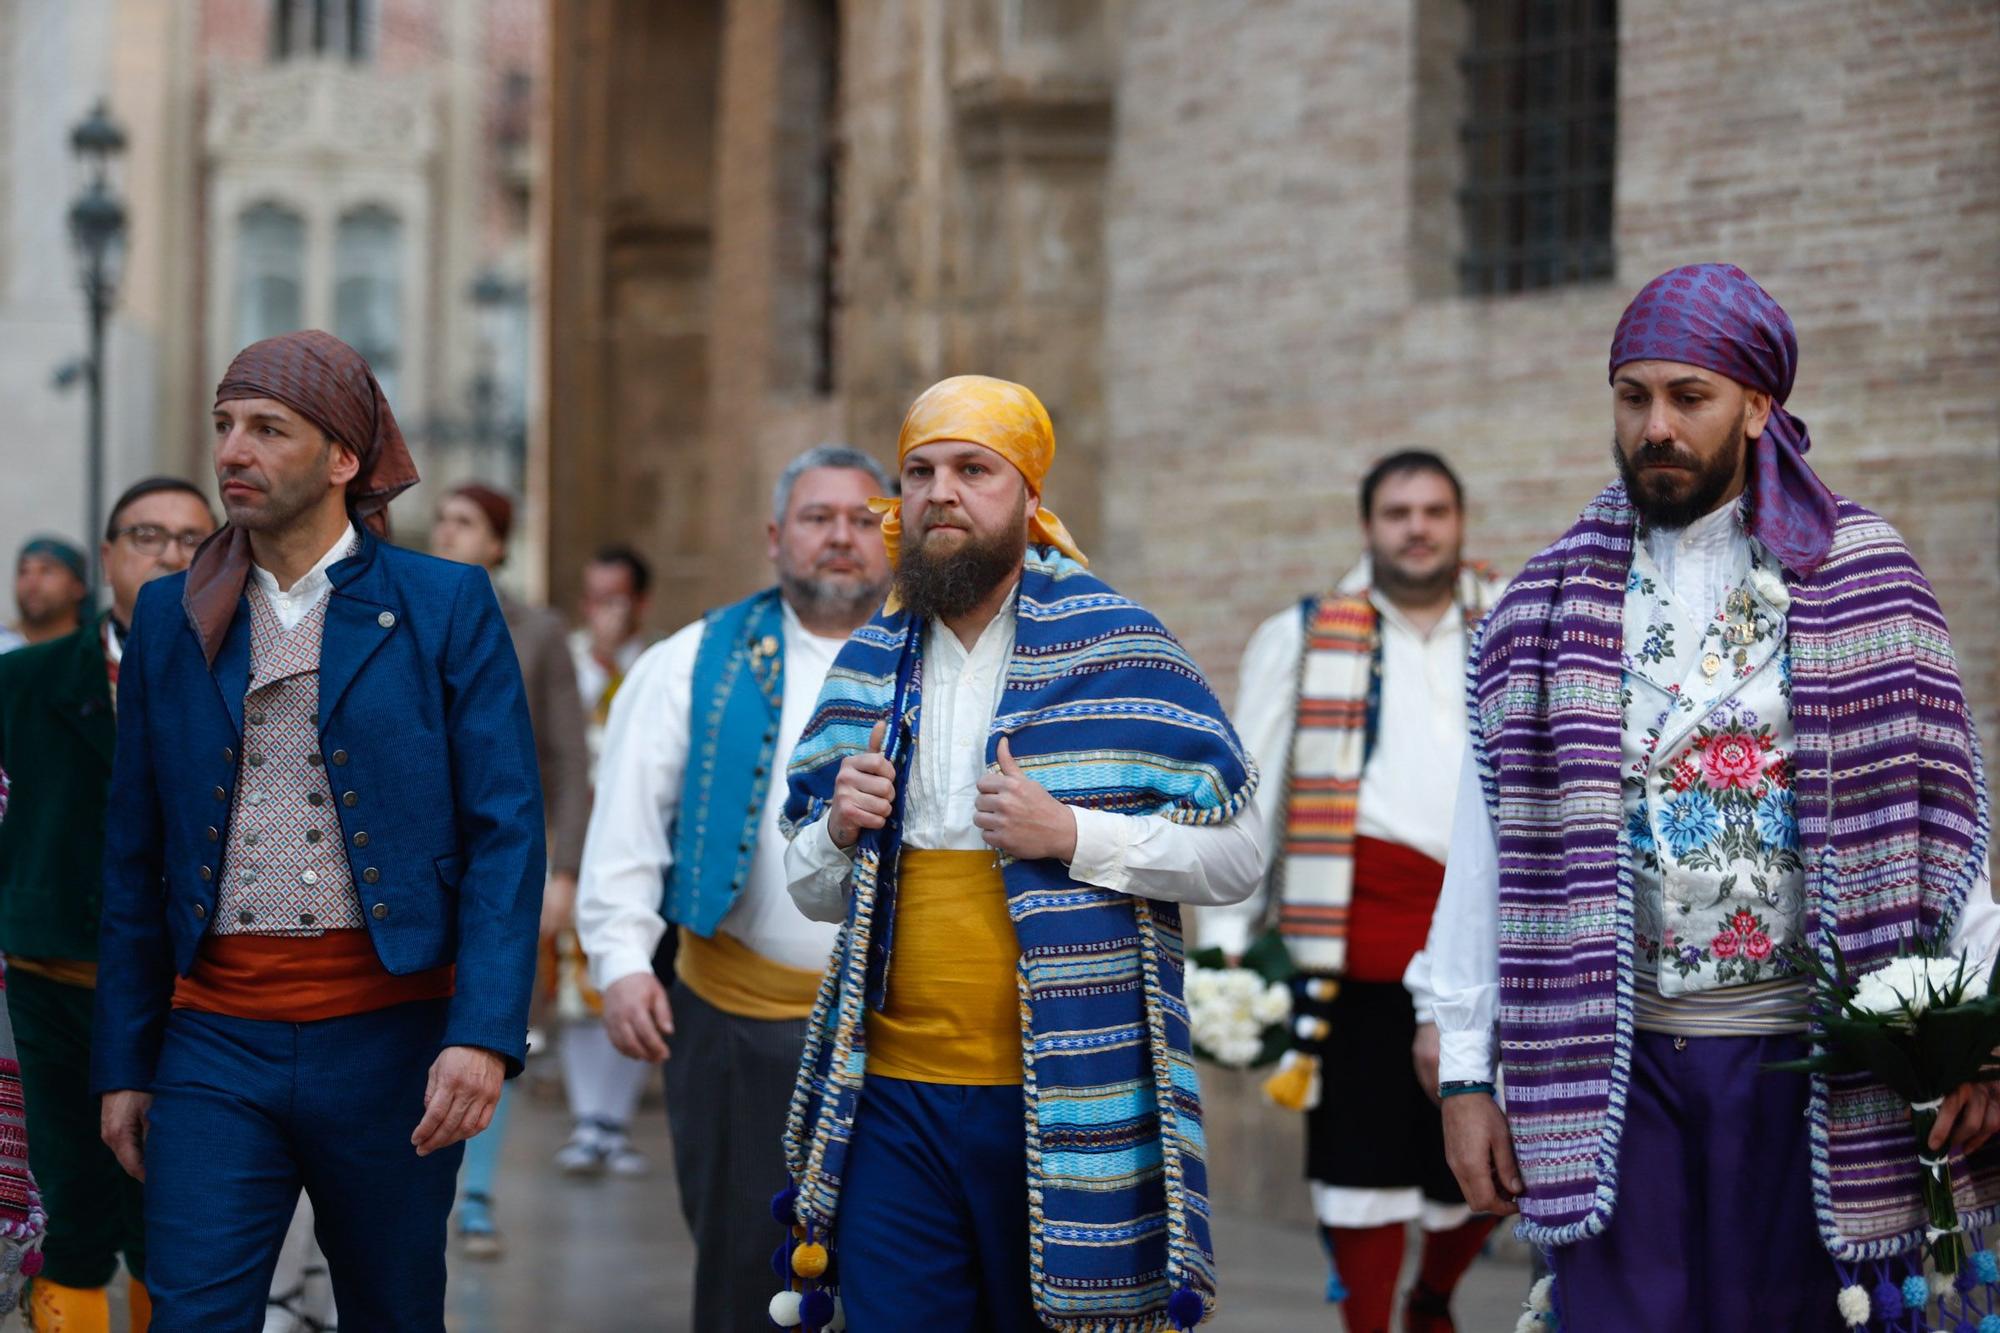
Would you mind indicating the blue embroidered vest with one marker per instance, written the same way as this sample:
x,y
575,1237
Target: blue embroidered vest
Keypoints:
x,y
738,694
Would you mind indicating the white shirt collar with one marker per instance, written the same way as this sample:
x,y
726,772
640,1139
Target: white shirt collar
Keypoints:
x,y
314,581
998,634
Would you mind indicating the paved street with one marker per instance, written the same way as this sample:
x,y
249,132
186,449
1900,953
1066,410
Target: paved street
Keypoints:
x,y
611,1255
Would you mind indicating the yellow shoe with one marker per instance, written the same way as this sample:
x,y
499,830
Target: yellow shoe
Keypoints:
x,y
54,1308
141,1302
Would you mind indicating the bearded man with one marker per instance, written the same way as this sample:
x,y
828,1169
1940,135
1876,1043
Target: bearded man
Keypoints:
x,y
323,868
1354,696
1012,781
1718,720
685,791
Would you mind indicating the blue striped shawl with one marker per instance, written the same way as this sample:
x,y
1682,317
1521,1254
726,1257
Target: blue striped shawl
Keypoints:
x,y
1103,707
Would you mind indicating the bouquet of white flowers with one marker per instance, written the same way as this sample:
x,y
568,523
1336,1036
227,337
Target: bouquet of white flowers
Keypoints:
x,y
1921,1024
1238,1016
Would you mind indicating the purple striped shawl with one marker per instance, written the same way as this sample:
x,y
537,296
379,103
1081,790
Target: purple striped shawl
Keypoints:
x,y
1892,824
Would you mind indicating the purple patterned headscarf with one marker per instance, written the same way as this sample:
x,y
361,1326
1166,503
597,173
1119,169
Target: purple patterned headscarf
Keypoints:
x,y
1716,317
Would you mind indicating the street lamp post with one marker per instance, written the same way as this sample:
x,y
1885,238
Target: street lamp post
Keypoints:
x,y
97,229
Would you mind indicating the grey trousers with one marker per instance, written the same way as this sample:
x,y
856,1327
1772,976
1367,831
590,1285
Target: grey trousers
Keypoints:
x,y
729,1085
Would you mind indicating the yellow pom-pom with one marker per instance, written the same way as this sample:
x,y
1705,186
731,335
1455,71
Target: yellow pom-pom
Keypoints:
x,y
809,1260
1322,988
1295,1087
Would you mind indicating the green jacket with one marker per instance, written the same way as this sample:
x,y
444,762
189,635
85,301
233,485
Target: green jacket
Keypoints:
x,y
57,732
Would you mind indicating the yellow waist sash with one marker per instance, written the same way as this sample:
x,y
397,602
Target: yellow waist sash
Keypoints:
x,y
954,1005
738,980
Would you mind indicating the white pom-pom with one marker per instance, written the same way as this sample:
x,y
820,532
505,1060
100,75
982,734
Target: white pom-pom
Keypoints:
x,y
839,1323
1854,1306
785,1309
1541,1296
1529,1322
1939,1283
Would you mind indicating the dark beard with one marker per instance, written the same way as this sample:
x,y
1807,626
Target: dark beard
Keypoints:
x,y
1389,580
1710,483
946,586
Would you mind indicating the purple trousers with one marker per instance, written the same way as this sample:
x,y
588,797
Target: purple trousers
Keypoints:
x,y
1714,1227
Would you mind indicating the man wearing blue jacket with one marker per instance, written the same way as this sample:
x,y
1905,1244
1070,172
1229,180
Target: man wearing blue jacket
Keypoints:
x,y
323,868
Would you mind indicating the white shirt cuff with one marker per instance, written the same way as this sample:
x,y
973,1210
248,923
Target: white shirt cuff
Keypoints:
x,y
616,965
1101,842
1465,1057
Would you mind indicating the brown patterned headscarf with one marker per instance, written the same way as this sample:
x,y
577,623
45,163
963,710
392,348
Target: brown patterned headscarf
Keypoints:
x,y
328,383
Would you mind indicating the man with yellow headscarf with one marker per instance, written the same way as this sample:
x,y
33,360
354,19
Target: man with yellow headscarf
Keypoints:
x,y
1013,779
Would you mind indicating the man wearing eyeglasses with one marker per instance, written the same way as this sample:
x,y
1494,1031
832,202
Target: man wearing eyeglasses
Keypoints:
x,y
56,737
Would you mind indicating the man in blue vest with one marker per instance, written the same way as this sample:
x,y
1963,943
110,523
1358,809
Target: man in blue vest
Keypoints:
x,y
685,790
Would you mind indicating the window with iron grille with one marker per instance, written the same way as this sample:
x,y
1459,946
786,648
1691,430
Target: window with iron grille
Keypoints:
x,y
1540,134
343,28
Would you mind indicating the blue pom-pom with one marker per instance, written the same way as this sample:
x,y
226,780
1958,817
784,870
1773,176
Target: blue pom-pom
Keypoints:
x,y
783,1204
1888,1298
1184,1308
1965,1280
1987,1266
781,1261
1916,1292
816,1310
1990,1324
1965,1326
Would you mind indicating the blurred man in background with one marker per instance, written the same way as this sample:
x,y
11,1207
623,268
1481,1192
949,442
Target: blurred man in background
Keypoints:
x,y
57,732
51,582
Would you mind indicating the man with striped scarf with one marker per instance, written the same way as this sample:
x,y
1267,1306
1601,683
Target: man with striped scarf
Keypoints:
x,y
1719,717
1351,703
1012,780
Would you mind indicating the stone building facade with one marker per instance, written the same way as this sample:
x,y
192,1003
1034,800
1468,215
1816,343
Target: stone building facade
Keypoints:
x,y
1221,241
366,166
1229,245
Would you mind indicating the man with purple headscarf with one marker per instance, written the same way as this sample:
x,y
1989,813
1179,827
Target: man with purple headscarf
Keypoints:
x,y
1717,721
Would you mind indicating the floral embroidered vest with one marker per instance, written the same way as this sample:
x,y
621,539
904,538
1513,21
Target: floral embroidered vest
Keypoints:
x,y
1718,884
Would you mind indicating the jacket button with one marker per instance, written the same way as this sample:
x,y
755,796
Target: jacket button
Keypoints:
x,y
228,755
305,918
339,757
387,620
221,795
207,872
370,875
255,760
314,759
245,917
312,835
200,912
213,834
380,911
361,838
349,799
314,798
256,719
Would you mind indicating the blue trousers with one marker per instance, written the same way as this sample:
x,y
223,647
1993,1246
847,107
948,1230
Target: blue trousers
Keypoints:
x,y
932,1232
245,1114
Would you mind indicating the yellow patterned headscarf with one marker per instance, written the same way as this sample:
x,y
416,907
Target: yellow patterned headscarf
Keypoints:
x,y
1004,417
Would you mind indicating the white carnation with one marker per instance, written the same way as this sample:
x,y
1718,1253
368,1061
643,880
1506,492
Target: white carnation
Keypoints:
x,y
1772,589
1908,983
1274,1005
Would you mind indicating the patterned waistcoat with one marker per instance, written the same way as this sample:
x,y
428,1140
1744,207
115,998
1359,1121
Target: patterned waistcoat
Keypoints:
x,y
1718,884
284,871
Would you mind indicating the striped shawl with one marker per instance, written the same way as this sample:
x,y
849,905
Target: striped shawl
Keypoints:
x,y
1892,824
1104,708
1339,697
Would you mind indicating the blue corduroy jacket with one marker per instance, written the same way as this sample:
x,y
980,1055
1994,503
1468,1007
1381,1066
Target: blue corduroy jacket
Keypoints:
x,y
424,730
